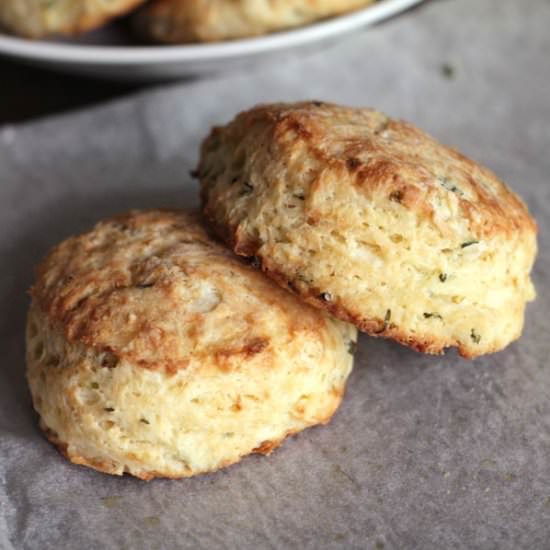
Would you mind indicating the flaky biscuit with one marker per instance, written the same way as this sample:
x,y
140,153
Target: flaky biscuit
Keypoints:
x,y
40,18
153,350
179,21
373,220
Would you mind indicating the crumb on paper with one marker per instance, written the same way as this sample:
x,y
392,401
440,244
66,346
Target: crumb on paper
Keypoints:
x,y
339,470
448,70
110,502
151,521
487,463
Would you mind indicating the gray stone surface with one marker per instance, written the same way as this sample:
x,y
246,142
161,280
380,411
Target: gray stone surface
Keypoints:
x,y
425,452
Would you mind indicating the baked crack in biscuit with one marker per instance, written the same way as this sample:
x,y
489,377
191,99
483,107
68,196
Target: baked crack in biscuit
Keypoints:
x,y
179,21
153,350
374,221
39,18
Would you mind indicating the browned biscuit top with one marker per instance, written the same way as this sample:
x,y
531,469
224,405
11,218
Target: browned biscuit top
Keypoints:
x,y
382,157
41,18
154,288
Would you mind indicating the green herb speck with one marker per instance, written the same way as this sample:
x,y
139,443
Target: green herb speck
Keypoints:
x,y
468,243
434,315
144,420
450,186
442,277
303,279
448,71
247,188
109,409
255,262
95,385
145,285
476,338
352,347
387,318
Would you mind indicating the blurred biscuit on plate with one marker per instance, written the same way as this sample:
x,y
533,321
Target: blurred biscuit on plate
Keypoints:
x,y
182,21
40,18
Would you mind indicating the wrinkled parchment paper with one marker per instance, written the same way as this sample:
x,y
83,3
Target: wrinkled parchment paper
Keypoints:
x,y
426,452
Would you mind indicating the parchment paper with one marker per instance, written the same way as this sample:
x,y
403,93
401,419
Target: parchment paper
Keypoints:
x,y
426,452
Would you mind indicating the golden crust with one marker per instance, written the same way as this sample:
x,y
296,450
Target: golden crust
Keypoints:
x,y
179,21
37,19
108,467
290,183
380,155
119,289
153,350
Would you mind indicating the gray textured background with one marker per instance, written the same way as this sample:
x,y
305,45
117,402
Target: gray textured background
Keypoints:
x,y
425,452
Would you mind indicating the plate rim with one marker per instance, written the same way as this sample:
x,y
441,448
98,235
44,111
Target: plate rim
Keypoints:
x,y
62,52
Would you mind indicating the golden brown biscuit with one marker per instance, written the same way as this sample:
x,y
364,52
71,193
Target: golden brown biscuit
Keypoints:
x,y
39,18
178,21
373,220
152,350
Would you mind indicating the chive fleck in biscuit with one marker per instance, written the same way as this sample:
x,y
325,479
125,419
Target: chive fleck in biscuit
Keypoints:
x,y
374,221
152,350
176,21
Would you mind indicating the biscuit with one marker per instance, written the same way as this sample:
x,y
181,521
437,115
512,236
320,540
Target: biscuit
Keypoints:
x,y
180,21
153,350
374,221
39,18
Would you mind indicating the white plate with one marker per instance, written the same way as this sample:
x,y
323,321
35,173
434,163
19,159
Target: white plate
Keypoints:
x,y
106,52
